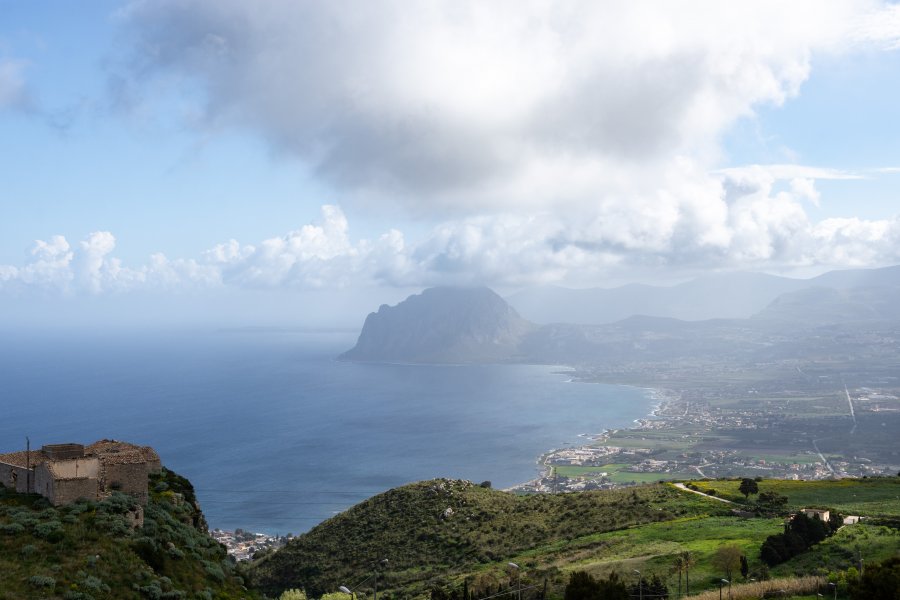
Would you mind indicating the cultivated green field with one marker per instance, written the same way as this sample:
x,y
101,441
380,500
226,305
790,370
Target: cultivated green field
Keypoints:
x,y
872,497
618,473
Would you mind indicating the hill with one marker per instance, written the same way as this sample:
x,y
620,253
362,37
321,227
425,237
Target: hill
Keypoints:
x,y
721,296
453,536
88,550
435,530
443,324
822,306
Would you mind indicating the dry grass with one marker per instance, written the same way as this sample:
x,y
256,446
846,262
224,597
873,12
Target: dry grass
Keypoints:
x,y
794,586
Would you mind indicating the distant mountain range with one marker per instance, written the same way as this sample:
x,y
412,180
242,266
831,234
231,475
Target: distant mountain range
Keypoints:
x,y
725,296
805,318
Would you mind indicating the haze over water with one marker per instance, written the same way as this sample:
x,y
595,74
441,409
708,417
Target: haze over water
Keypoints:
x,y
276,435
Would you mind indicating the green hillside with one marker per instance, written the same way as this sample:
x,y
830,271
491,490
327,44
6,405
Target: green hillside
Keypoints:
x,y
426,543
871,497
642,528
88,551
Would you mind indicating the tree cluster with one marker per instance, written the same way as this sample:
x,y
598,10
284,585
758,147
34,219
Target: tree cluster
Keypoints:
x,y
583,586
652,587
880,580
800,533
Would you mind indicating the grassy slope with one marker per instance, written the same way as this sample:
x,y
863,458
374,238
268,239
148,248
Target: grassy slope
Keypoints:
x,y
550,536
871,497
86,551
487,527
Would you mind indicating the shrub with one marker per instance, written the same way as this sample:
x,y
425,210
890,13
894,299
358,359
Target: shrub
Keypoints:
x,y
214,570
51,531
42,581
12,529
94,583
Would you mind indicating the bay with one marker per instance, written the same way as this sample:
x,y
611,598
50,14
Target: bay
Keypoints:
x,y
276,435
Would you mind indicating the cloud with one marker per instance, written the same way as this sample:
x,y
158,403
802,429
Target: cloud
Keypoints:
x,y
454,107
59,268
753,226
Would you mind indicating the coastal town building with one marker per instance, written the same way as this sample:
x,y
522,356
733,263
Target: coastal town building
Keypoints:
x,y
64,473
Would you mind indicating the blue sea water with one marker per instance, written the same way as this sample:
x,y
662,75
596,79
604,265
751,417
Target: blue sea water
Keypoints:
x,y
277,435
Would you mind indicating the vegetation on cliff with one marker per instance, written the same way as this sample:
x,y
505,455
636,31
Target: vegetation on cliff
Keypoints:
x,y
90,551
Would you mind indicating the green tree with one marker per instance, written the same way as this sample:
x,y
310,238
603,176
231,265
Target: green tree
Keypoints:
x,y
678,567
582,586
747,487
292,595
728,560
612,588
771,502
688,560
881,580
651,587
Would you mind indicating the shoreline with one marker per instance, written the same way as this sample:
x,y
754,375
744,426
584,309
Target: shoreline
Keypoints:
x,y
661,397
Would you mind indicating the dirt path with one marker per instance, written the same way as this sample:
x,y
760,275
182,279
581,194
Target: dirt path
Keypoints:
x,y
681,486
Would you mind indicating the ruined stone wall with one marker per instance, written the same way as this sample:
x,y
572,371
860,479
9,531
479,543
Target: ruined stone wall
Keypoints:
x,y
154,466
63,491
12,476
43,481
70,490
130,479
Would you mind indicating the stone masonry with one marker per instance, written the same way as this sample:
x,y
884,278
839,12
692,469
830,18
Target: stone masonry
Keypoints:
x,y
63,473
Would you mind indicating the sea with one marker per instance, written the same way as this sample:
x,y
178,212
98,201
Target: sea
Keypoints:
x,y
277,435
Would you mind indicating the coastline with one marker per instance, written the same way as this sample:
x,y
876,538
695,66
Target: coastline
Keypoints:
x,y
546,479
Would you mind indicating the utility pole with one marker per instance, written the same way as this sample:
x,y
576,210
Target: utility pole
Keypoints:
x,y
27,465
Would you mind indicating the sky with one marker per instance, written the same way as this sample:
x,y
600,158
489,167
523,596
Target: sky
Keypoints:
x,y
291,161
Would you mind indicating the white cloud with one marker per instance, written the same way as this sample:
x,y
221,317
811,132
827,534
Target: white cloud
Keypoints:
x,y
457,106
753,226
790,171
881,27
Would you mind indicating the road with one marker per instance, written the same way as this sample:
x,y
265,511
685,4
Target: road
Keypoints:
x,y
681,486
852,412
822,456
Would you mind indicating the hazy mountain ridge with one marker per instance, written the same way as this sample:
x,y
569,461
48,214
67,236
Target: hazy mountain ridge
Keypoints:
x,y
722,296
475,325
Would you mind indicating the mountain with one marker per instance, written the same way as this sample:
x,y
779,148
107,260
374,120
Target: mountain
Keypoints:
x,y
442,324
459,325
821,306
724,296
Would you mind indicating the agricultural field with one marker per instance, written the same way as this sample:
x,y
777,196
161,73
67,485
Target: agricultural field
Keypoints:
x,y
619,473
870,497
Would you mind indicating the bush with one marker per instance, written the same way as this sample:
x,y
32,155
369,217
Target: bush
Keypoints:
x,y
12,529
94,583
42,581
214,570
51,531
